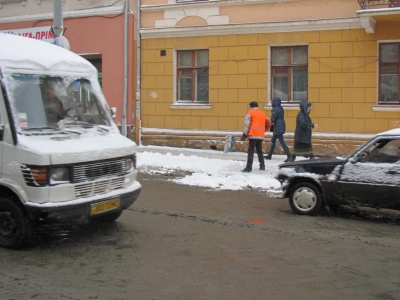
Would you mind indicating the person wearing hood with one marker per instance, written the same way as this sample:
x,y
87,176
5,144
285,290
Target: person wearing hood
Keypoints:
x,y
255,125
302,134
279,128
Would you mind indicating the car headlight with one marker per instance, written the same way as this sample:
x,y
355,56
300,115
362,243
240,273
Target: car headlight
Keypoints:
x,y
59,175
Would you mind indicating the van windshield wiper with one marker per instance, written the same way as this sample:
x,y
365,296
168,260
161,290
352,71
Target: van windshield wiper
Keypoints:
x,y
71,131
39,128
81,123
104,128
43,130
63,130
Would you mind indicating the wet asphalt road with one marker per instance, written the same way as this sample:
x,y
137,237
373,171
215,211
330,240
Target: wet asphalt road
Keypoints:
x,y
181,242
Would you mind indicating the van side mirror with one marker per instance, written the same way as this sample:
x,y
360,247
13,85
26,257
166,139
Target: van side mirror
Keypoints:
x,y
113,112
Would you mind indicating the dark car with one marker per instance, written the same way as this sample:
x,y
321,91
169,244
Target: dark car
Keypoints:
x,y
369,177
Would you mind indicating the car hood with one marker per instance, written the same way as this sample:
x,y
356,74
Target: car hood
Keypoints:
x,y
316,166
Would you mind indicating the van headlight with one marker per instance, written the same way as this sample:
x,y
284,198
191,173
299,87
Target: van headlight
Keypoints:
x,y
59,175
45,175
129,165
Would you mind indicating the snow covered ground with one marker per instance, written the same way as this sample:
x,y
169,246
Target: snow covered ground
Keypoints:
x,y
211,169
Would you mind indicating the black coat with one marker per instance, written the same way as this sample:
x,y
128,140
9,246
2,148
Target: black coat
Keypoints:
x,y
278,117
304,125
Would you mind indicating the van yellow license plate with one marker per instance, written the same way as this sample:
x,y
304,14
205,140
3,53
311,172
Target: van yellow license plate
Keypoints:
x,y
104,206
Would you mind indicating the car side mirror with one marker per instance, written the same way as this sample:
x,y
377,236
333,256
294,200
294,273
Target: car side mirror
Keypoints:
x,y
1,131
353,160
361,157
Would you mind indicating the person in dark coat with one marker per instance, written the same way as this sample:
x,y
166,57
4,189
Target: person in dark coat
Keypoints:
x,y
279,129
302,134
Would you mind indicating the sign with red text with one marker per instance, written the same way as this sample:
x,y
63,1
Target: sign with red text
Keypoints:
x,y
40,33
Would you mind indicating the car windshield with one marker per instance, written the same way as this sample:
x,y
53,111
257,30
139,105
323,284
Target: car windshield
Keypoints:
x,y
46,102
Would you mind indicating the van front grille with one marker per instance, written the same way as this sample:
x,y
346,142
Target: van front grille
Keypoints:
x,y
99,187
97,170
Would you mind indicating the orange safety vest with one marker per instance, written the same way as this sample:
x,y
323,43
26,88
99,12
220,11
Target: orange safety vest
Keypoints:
x,y
257,123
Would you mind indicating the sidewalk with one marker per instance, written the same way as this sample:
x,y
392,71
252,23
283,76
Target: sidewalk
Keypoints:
x,y
215,154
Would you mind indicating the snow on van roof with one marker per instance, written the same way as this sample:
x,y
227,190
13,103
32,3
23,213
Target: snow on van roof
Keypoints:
x,y
19,52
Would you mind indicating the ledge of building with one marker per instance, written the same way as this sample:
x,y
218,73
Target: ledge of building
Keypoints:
x,y
190,106
324,144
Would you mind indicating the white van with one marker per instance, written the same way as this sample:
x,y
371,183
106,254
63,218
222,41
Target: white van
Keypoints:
x,y
62,157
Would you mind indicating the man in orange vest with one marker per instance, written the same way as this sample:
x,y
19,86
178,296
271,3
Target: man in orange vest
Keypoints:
x,y
255,125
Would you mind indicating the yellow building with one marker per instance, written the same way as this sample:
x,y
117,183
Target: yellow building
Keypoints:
x,y
202,62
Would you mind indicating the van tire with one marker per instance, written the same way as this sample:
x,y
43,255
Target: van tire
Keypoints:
x,y
15,227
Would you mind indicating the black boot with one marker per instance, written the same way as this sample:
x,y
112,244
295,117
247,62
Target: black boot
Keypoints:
x,y
287,152
292,158
271,151
247,169
249,165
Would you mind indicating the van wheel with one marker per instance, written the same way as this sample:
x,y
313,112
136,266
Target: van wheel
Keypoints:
x,y
15,227
305,199
108,218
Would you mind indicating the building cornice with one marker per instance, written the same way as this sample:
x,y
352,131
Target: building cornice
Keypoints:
x,y
111,10
368,17
265,27
183,5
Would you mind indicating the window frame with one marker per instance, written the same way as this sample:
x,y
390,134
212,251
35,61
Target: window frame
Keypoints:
x,y
382,65
289,67
193,70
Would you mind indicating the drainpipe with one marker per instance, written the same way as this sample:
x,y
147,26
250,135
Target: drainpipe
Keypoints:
x,y
138,75
125,68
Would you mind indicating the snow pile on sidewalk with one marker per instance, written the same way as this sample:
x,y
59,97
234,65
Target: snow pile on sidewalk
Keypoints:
x,y
210,168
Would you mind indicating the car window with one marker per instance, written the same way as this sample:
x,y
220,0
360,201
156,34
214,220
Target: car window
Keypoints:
x,y
383,151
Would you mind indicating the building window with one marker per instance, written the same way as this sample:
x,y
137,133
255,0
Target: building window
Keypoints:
x,y
389,73
97,62
192,76
289,73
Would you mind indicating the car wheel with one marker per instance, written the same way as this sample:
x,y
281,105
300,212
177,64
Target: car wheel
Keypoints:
x,y
305,199
108,218
15,227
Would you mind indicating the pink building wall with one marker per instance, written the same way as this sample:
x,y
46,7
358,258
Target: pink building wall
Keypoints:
x,y
100,35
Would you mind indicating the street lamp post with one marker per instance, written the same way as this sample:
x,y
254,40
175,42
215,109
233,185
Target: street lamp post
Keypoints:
x,y
58,28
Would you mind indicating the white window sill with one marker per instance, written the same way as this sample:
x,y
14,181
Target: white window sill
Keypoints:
x,y
190,106
390,108
295,106
286,106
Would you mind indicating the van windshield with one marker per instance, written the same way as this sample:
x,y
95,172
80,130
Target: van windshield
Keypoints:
x,y
55,102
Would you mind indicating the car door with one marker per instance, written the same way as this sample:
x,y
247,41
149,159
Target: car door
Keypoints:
x,y
372,177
